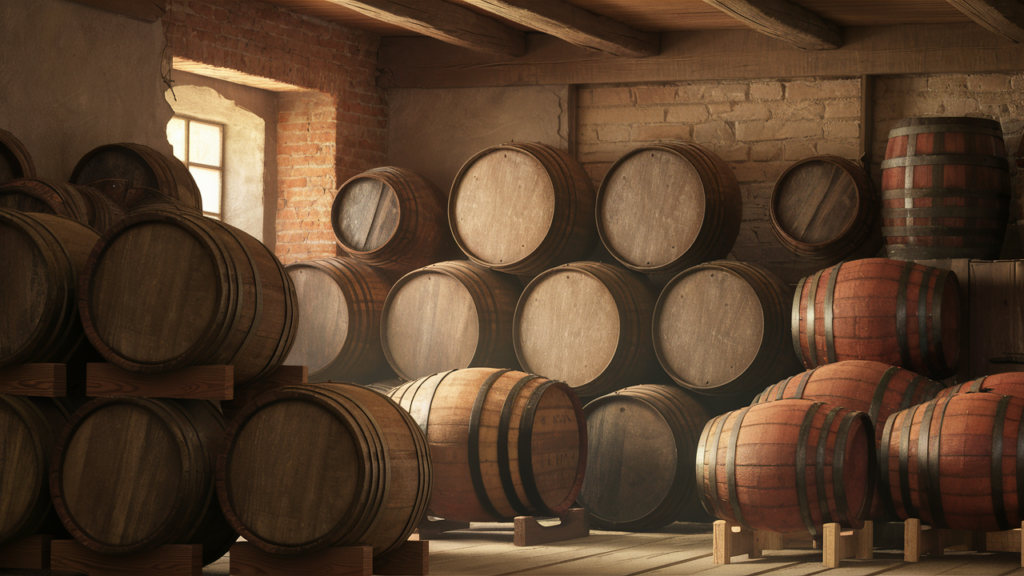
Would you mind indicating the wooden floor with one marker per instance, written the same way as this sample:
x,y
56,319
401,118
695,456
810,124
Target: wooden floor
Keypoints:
x,y
487,550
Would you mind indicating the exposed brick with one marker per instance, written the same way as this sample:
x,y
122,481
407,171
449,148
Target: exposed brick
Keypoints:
x,y
717,132
747,111
610,96
733,152
766,91
823,89
687,114
843,149
613,133
799,150
655,95
842,109
764,151
654,132
620,115
777,130
842,129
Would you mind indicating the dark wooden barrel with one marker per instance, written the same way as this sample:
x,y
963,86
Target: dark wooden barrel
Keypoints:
x,y
133,474
15,161
84,204
393,218
503,443
449,315
898,313
41,259
163,290
945,189
589,325
721,329
937,462
669,206
139,165
1005,384
522,208
340,303
365,475
823,208
642,442
788,466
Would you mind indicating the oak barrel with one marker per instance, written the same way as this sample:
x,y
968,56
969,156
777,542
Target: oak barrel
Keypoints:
x,y
139,165
449,315
41,259
365,475
163,290
393,218
133,474
340,303
642,442
522,208
84,204
937,462
15,161
898,313
824,208
666,207
589,325
721,329
503,443
945,189
1005,384
788,466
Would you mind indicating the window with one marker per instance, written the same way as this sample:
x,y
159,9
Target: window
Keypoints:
x,y
200,145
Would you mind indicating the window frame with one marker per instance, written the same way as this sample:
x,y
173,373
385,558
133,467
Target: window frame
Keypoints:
x,y
219,214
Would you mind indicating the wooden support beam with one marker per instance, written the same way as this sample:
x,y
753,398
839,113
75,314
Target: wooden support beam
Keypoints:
x,y
145,10
575,25
446,22
784,21
1004,17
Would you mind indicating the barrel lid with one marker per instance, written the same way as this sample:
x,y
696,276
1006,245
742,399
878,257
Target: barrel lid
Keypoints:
x,y
366,213
323,317
815,200
24,463
29,290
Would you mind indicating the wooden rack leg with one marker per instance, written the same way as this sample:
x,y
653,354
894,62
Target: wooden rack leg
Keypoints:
x,y
247,560
528,532
172,560
1008,541
730,540
411,558
30,553
839,545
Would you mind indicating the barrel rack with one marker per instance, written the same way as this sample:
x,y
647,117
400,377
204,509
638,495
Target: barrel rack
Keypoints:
x,y
527,531
919,539
731,540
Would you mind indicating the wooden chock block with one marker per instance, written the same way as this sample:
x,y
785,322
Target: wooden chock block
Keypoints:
x,y
216,382
730,540
529,532
30,553
283,376
431,528
247,560
1008,541
48,380
171,560
838,545
411,558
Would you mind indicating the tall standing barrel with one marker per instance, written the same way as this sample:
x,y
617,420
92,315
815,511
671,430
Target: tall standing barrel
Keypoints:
x,y
503,443
589,325
788,466
139,165
945,189
84,204
898,313
392,218
669,206
522,208
15,161
1005,384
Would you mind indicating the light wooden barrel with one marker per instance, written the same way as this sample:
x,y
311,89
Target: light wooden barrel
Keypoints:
x,y
365,476
133,474
139,165
589,325
15,161
788,466
41,259
945,189
522,208
937,462
666,207
642,443
84,204
721,329
1005,384
340,303
823,208
898,313
164,290
393,218
449,315
503,443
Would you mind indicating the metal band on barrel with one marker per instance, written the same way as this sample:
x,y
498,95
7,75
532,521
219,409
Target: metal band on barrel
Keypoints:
x,y
904,457
801,467
830,294
883,457
730,468
947,160
795,322
812,295
819,465
901,316
526,450
922,322
934,479
504,461
475,473
876,399
998,506
923,455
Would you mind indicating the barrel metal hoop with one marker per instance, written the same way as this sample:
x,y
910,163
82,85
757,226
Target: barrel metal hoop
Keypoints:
x,y
944,129
795,322
901,316
730,468
883,466
924,457
998,506
713,467
977,384
504,462
803,384
819,466
947,160
830,294
838,463
801,467
913,231
908,173
781,386
934,479
1020,461
420,411
936,339
944,192
908,506
476,475
922,322
526,450
879,395
908,395
946,212
812,295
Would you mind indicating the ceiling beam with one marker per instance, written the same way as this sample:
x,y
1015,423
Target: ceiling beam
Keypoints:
x,y
575,25
1004,17
446,22
784,21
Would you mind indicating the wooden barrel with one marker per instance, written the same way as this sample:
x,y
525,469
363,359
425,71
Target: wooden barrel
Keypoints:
x,y
589,325
365,476
1005,384
788,466
642,443
522,208
449,315
139,165
721,329
163,290
84,204
133,474
823,208
898,313
15,161
945,189
386,386
41,259
393,218
503,443
669,206
340,303
937,462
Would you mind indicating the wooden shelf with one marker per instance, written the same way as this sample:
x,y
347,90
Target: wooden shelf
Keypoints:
x,y
409,559
48,380
31,553
172,560
216,382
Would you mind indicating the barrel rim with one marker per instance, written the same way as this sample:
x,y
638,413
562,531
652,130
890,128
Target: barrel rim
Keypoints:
x,y
773,205
372,174
20,405
14,149
195,198
948,120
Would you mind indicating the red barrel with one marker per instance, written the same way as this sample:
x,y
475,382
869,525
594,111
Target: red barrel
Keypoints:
x,y
1008,384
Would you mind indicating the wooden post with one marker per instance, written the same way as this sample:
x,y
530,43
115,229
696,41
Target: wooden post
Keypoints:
x,y
49,380
411,558
839,545
730,540
216,382
172,560
30,553
528,532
